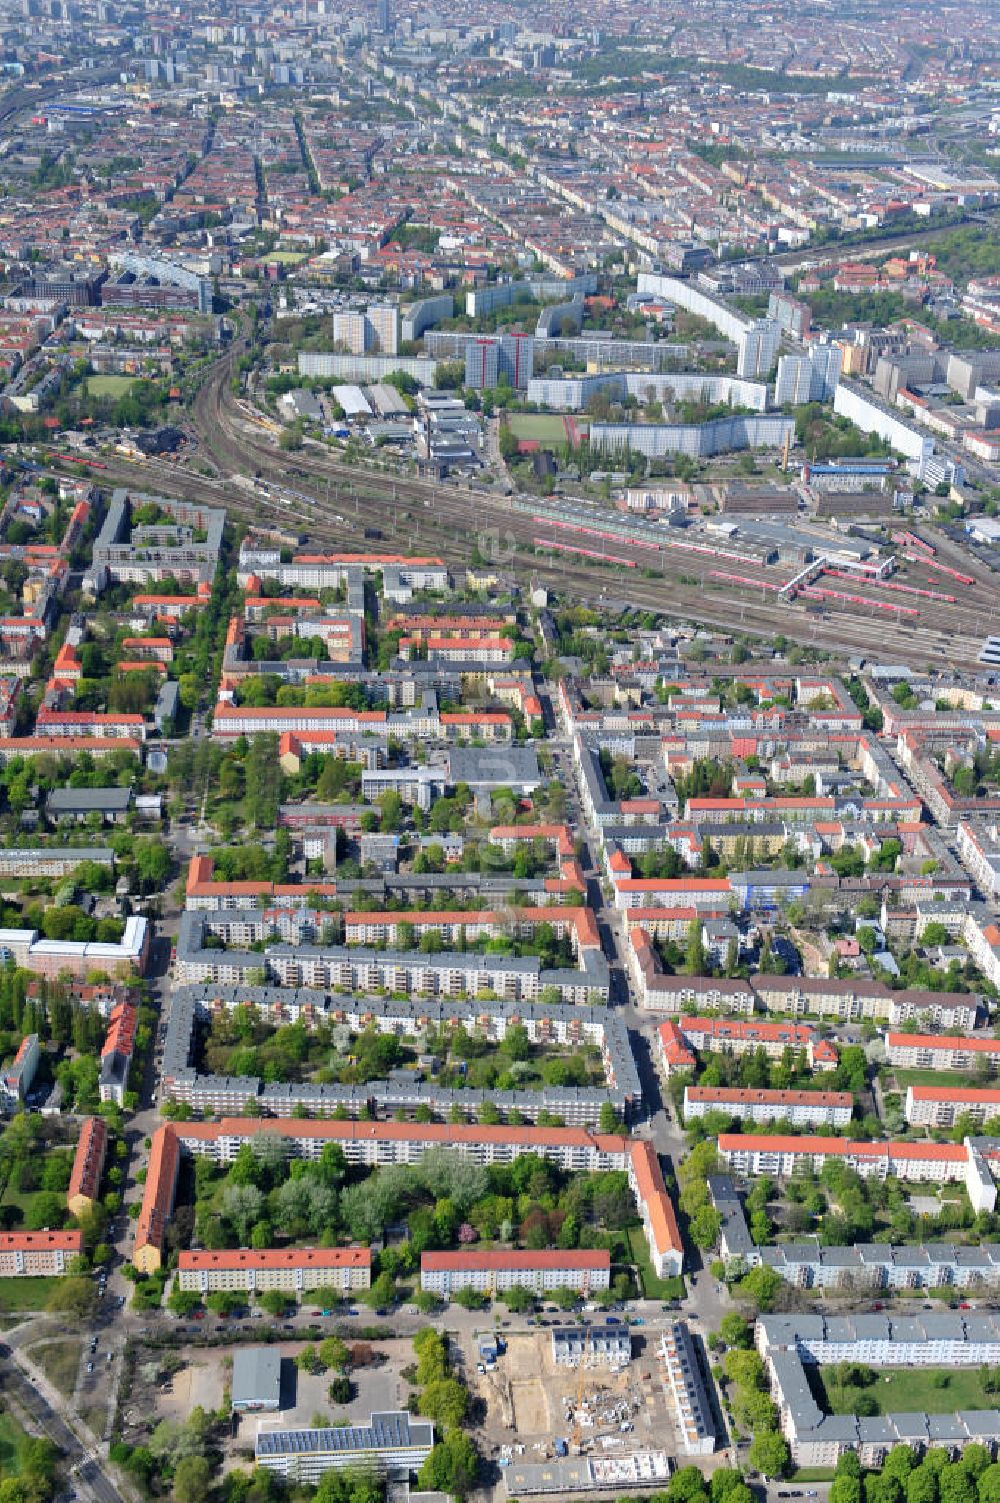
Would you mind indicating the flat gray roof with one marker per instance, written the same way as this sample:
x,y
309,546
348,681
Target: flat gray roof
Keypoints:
x,y
103,800
256,1377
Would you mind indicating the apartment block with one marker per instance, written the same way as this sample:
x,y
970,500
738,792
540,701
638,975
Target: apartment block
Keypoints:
x,y
936,1163
88,1166
389,1142
491,1272
290,1269
800,1108
38,1254
157,1199
941,1106
736,1036
928,1051
15,1083
694,1426
790,1344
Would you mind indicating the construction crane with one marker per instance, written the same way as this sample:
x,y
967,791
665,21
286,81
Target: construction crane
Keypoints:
x,y
588,1345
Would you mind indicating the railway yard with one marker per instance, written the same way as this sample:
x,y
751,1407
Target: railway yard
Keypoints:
x,y
936,603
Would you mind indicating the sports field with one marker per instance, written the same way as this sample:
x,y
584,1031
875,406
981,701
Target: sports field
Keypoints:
x,y
110,386
540,426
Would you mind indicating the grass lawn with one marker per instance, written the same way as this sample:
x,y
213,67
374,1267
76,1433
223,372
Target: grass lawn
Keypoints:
x,y
10,1436
813,1474
25,1294
538,425
907,1390
652,1287
286,257
59,1361
24,1200
906,1078
110,386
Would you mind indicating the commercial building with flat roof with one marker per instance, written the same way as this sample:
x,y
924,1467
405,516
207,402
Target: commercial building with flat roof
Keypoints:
x,y
392,1444
613,1473
256,1379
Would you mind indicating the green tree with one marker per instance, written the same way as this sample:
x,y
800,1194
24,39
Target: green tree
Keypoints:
x,y
736,1330
988,1484
470,1299
183,1301
769,1454
445,1402
705,1227
845,1489
274,1302
74,1297
518,1299
745,1368
334,1353
921,1485
760,1286
451,1466
152,864
955,1485
192,1477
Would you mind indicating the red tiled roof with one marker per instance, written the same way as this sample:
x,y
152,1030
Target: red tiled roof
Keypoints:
x,y
88,1161
285,1257
400,1132
651,1192
69,1242
951,1153
956,1094
548,1257
310,712
742,1096
942,1041
736,1028
161,1183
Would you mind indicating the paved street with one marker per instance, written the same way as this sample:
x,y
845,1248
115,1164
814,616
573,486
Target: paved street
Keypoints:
x,y
33,1394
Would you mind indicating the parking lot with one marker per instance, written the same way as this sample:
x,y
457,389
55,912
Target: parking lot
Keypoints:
x,y
206,1372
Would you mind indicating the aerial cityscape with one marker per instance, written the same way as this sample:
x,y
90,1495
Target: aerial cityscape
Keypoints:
x,y
499,752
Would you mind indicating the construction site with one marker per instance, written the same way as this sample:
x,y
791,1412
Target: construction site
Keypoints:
x,y
549,1398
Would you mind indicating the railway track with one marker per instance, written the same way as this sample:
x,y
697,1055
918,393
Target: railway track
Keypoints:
x,y
333,502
